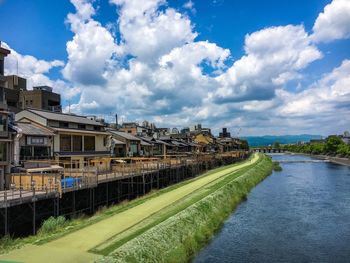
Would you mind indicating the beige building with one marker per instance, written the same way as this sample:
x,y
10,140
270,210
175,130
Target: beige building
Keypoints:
x,y
40,97
77,139
5,133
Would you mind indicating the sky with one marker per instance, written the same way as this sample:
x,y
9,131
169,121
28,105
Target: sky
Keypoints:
x,y
258,67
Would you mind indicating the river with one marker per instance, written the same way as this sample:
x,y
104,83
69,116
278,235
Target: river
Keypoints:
x,y
301,214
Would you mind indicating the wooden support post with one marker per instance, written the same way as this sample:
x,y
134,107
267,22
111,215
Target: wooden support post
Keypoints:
x,y
34,217
74,203
107,194
143,184
6,221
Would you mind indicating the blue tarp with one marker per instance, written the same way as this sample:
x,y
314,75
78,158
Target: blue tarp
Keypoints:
x,y
70,182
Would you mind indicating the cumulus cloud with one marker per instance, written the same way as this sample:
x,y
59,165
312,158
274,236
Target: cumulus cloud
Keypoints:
x,y
331,93
152,67
92,48
333,23
149,32
36,72
273,57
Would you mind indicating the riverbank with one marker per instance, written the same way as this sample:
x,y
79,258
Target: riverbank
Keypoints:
x,y
96,237
300,214
181,236
333,159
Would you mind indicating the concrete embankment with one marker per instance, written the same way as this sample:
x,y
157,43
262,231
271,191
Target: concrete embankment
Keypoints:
x,y
178,238
333,159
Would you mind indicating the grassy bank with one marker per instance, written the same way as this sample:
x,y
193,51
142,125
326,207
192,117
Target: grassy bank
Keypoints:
x,y
179,237
54,229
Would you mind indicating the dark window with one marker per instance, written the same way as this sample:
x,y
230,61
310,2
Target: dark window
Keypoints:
x,y
65,143
97,128
3,123
3,151
77,143
63,124
41,151
82,126
89,143
26,152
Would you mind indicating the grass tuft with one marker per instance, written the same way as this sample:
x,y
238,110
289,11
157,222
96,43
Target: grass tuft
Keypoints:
x,y
52,225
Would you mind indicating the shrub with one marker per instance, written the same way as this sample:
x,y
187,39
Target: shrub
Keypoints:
x,y
276,167
53,224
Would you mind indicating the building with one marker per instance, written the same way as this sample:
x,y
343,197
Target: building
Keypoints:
x,y
199,129
5,132
41,98
345,137
77,139
14,86
224,133
135,129
132,143
33,142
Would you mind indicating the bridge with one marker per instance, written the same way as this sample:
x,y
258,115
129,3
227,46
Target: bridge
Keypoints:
x,y
268,150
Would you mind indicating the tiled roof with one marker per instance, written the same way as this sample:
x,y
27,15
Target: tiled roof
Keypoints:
x,y
65,117
33,129
125,135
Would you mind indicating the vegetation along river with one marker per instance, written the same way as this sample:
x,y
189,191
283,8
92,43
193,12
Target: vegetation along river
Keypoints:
x,y
301,214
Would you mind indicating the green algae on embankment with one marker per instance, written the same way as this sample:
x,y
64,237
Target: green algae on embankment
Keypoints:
x,y
180,237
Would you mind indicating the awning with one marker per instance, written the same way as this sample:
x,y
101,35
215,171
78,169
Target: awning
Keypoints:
x,y
51,168
115,141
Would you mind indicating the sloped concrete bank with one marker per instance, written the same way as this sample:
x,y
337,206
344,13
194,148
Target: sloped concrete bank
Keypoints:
x,y
180,237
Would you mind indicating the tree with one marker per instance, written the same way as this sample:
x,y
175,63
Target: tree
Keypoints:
x,y
276,145
332,144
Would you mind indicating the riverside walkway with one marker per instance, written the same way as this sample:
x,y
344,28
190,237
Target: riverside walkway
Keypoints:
x,y
74,247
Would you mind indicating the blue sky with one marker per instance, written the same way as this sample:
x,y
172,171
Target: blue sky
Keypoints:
x,y
177,63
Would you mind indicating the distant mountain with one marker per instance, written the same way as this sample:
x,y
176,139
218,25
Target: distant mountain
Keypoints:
x,y
282,139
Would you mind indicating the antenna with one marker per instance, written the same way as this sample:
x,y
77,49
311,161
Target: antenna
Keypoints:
x,y
69,106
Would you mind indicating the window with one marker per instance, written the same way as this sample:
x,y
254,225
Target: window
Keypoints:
x,y
3,151
3,123
37,141
77,143
97,128
82,126
89,143
65,143
26,152
63,124
41,151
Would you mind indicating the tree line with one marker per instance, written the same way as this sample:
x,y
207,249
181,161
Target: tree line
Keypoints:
x,y
333,146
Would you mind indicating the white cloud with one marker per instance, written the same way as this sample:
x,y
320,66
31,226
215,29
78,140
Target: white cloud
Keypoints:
x,y
36,72
329,95
92,48
273,57
151,66
148,32
333,23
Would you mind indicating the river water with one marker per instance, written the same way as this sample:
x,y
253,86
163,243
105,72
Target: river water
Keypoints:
x,y
301,214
